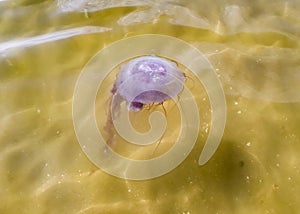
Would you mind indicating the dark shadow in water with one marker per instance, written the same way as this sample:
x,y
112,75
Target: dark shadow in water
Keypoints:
x,y
232,179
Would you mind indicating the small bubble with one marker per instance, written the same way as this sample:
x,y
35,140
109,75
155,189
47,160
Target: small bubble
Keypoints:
x,y
248,144
239,112
38,110
247,177
206,130
277,164
236,103
289,178
57,132
129,190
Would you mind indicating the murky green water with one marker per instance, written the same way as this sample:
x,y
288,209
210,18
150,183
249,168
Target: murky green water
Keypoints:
x,y
254,46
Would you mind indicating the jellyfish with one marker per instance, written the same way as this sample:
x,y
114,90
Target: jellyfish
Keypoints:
x,y
145,80
147,77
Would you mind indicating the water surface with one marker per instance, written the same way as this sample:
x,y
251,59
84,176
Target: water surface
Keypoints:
x,y
254,46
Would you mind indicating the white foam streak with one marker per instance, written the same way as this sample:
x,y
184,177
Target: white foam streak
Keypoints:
x,y
50,37
96,5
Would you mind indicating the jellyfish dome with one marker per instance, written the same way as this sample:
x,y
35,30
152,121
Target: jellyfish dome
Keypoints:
x,y
148,79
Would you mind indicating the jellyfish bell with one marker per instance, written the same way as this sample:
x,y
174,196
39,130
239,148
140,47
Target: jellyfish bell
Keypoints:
x,y
148,79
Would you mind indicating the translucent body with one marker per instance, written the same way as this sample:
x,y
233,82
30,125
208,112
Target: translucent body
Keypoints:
x,y
148,79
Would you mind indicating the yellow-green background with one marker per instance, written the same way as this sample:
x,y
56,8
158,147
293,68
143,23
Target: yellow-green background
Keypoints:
x,y
254,46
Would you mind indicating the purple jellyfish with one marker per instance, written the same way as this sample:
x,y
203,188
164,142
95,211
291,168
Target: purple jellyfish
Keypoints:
x,y
143,80
148,79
